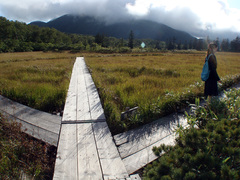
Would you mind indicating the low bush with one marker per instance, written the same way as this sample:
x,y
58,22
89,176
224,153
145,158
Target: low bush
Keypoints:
x,y
208,148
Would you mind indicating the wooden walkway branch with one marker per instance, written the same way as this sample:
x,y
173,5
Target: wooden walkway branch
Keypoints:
x,y
86,149
41,125
135,146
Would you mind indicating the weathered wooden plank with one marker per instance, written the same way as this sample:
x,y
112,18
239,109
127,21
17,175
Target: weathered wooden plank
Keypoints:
x,y
111,163
83,112
66,161
88,161
7,105
146,155
77,156
81,62
38,118
70,108
135,140
41,125
19,110
51,118
32,130
87,98
27,113
96,109
97,155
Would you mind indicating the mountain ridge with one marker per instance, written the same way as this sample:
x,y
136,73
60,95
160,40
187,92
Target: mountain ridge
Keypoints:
x,y
88,25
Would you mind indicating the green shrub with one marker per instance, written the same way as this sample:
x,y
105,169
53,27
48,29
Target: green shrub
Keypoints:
x,y
207,149
105,50
124,50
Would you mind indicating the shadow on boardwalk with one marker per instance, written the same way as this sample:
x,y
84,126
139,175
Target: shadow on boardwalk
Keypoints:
x,y
135,146
86,148
41,125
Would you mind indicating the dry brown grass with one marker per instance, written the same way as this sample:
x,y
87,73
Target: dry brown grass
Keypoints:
x,y
40,79
142,79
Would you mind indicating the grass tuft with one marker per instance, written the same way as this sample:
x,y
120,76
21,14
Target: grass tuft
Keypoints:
x,y
20,153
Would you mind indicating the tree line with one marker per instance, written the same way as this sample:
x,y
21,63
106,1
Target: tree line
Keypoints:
x,y
20,37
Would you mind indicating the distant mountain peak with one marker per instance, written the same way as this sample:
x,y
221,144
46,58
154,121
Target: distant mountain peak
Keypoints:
x,y
88,25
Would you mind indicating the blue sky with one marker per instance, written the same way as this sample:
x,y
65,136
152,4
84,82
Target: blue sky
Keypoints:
x,y
186,15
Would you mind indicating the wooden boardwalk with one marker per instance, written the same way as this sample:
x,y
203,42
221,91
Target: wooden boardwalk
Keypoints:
x,y
135,146
41,125
86,149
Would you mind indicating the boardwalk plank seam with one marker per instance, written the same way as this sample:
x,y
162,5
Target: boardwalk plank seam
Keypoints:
x,y
80,119
97,151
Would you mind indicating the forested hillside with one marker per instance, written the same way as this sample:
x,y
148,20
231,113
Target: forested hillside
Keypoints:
x,y
21,37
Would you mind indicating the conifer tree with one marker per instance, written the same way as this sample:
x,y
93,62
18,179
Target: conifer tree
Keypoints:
x,y
131,39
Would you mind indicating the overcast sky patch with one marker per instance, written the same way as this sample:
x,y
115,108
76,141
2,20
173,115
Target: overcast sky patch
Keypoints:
x,y
186,15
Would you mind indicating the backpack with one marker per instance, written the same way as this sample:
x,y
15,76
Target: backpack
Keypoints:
x,y
205,71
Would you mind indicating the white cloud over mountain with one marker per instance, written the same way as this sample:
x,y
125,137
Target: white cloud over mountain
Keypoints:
x,y
186,15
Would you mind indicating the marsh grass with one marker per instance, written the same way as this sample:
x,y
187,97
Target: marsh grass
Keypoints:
x,y
158,83
39,80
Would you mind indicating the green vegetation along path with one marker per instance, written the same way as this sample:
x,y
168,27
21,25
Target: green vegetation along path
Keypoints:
x,y
86,148
135,146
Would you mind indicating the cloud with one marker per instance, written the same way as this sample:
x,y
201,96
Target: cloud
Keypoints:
x,y
186,15
45,10
27,11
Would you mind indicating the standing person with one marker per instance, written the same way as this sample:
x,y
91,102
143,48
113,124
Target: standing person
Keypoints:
x,y
211,87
